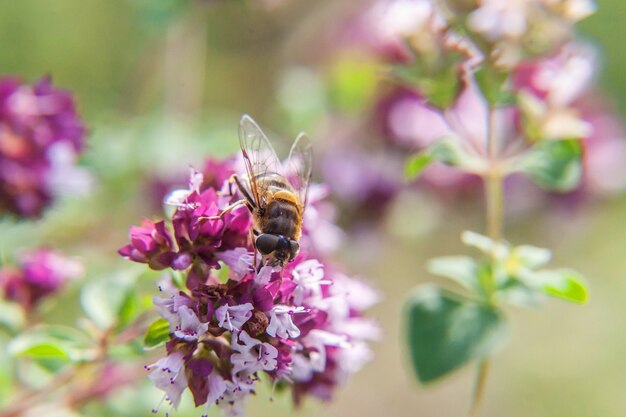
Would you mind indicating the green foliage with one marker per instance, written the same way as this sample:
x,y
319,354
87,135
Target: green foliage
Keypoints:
x,y
11,316
493,83
52,342
448,151
554,165
565,284
353,83
464,270
158,333
416,164
446,331
516,267
110,301
440,89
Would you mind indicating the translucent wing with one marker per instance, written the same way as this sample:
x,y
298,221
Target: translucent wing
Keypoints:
x,y
258,155
299,166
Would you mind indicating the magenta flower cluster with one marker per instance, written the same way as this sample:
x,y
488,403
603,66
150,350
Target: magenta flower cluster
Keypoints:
x,y
39,274
41,135
302,327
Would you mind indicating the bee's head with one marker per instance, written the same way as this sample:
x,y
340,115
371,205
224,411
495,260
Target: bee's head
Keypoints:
x,y
277,247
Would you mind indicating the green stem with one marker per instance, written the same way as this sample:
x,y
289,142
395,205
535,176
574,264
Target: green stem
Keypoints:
x,y
494,202
494,205
479,388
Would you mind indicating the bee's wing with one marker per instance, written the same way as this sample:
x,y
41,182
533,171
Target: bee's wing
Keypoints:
x,y
258,155
299,166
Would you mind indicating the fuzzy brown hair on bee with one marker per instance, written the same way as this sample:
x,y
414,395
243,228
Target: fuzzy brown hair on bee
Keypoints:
x,y
276,195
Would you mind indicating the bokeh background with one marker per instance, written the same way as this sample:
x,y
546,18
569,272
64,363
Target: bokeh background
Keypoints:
x,y
162,83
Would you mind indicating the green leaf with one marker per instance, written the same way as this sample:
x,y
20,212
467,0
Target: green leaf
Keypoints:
x,y
447,151
11,316
440,87
446,332
485,244
416,164
353,84
461,269
493,84
129,308
157,334
531,256
52,342
106,300
178,279
565,284
554,164
515,291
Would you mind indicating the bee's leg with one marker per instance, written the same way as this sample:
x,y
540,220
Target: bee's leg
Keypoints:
x,y
230,192
226,210
253,247
234,180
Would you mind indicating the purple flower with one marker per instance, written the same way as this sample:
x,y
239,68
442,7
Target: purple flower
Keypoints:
x,y
41,136
281,323
252,355
226,329
233,317
39,274
308,277
189,327
239,260
167,374
202,237
150,243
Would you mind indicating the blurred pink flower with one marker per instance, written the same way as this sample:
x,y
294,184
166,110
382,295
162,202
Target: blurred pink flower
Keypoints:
x,y
39,274
41,136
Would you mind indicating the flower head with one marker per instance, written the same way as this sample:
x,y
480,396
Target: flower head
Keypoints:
x,y
41,136
39,274
225,329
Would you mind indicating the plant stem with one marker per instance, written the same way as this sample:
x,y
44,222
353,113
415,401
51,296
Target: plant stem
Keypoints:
x,y
494,196
494,205
479,388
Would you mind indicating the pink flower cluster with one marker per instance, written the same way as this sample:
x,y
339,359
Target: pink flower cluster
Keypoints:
x,y
552,83
39,274
303,326
41,136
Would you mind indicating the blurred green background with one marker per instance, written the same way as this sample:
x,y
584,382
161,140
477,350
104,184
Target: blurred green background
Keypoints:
x,y
162,83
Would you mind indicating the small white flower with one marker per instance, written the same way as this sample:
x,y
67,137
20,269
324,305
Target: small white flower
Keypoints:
x,y
308,277
237,392
217,387
315,343
253,355
239,260
178,198
353,359
168,307
190,326
358,328
167,376
281,324
233,317
265,274
358,295
497,19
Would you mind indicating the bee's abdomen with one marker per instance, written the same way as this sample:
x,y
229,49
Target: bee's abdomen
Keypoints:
x,y
282,218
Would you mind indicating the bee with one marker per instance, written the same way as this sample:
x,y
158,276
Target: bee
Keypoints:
x,y
276,195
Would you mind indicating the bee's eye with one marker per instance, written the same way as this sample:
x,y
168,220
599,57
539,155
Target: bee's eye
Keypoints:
x,y
294,247
266,243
